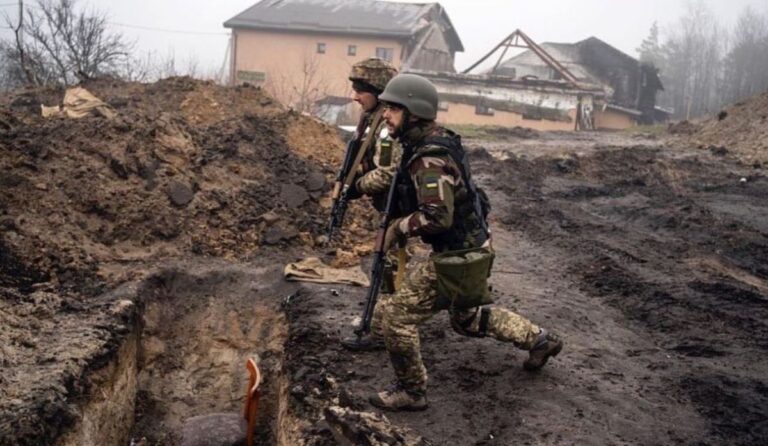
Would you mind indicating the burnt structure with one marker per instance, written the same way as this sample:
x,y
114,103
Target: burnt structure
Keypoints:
x,y
630,86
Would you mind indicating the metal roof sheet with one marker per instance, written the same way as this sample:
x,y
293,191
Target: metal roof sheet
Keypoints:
x,y
345,16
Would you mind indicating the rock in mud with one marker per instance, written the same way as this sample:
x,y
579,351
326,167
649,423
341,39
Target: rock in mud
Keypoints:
x,y
217,429
293,196
278,233
180,194
315,181
718,150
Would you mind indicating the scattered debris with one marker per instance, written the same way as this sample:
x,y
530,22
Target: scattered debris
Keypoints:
x,y
352,428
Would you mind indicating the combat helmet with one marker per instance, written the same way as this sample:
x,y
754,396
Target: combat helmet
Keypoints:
x,y
413,92
374,72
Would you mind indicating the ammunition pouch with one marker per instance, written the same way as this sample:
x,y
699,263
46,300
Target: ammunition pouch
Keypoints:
x,y
388,277
462,277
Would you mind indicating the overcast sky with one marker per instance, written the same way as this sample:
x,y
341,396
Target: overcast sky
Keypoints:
x,y
481,24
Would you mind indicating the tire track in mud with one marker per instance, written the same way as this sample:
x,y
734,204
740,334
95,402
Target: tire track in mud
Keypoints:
x,y
644,231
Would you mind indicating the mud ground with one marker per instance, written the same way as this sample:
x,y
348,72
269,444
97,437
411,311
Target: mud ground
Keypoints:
x,y
650,262
168,228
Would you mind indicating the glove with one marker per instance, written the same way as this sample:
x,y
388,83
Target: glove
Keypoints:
x,y
353,193
393,235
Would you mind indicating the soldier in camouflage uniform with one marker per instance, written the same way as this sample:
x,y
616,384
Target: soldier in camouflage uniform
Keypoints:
x,y
369,77
436,207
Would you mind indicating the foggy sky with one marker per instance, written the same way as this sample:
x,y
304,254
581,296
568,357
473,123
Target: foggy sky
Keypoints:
x,y
481,24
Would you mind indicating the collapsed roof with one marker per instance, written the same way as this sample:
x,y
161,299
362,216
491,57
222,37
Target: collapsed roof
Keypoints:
x,y
591,61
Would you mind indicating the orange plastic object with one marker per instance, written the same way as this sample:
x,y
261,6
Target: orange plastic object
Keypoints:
x,y
252,399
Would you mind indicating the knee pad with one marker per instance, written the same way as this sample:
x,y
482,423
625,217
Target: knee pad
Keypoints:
x,y
464,327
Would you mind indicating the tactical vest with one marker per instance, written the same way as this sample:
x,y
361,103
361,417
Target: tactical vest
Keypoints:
x,y
470,227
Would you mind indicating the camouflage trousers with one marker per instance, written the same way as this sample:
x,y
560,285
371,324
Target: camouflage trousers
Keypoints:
x,y
397,317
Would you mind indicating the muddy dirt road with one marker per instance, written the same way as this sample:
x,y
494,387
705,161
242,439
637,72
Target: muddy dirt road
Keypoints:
x,y
651,263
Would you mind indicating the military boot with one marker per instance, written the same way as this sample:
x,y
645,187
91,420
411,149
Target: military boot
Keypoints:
x,y
366,343
546,345
397,398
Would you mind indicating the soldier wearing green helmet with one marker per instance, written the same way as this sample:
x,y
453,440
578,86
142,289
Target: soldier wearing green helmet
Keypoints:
x,y
439,202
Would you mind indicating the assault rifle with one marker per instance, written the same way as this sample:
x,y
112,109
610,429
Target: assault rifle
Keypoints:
x,y
377,269
340,189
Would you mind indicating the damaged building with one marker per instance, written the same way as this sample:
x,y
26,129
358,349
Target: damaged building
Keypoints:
x,y
586,85
301,51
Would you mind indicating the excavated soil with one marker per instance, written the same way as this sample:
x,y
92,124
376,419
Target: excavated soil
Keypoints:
x,y
140,265
741,128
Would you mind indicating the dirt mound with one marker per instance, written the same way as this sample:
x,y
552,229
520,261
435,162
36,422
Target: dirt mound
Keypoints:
x,y
682,128
187,167
741,128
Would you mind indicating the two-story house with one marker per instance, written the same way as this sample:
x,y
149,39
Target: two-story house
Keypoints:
x,y
301,51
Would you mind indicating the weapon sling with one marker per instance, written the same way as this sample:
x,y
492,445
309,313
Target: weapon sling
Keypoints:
x,y
375,121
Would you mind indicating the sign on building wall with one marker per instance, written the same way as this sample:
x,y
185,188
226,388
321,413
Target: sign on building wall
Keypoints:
x,y
251,76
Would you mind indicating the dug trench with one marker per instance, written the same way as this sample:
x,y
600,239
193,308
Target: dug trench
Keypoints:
x,y
174,361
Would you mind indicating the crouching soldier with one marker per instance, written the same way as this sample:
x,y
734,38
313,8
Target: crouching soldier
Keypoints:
x,y
439,202
382,155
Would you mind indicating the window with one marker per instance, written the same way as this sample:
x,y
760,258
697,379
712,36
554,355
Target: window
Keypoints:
x,y
352,50
320,48
385,53
482,109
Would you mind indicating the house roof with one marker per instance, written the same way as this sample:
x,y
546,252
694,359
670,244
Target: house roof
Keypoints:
x,y
565,53
360,17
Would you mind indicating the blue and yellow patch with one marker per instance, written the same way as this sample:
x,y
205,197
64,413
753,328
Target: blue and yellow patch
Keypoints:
x,y
430,185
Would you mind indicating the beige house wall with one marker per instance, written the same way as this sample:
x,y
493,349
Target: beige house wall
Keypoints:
x,y
612,120
294,72
465,114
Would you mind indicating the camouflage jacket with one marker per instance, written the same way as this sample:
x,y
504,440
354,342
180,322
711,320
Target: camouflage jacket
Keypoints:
x,y
435,203
380,162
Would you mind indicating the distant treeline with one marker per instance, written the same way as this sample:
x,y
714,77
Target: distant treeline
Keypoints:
x,y
705,66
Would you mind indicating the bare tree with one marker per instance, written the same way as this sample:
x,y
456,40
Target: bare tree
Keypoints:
x,y
691,62
300,90
65,44
704,67
650,48
18,32
746,64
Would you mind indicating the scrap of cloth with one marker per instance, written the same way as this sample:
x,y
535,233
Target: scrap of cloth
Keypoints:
x,y
79,103
313,269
